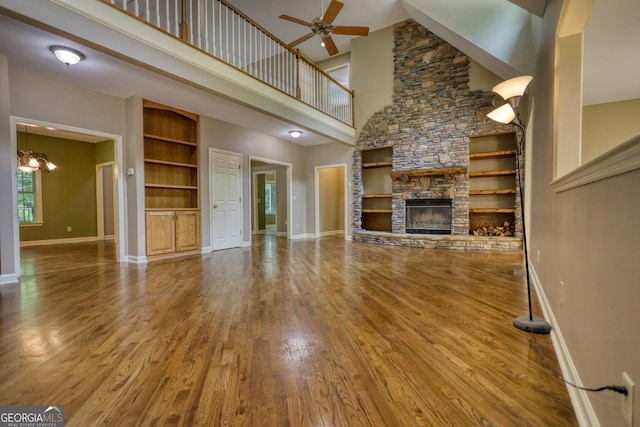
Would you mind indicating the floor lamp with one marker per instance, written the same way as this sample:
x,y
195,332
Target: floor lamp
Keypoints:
x,y
511,91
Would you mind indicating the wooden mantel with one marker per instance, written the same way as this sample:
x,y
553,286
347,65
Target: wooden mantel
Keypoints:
x,y
428,172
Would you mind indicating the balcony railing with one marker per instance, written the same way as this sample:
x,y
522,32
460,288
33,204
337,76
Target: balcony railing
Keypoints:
x,y
222,31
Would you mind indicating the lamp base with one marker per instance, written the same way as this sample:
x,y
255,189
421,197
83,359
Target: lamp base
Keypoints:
x,y
537,326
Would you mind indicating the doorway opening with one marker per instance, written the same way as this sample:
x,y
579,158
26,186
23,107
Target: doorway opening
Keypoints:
x,y
331,210
271,198
265,203
69,191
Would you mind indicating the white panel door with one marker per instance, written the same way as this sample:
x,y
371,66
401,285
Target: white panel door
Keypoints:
x,y
226,200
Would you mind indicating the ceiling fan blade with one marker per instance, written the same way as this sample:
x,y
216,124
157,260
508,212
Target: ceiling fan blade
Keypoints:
x,y
296,20
351,31
330,45
300,40
332,11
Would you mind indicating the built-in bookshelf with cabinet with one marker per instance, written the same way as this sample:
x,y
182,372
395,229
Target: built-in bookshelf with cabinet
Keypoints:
x,y
376,188
492,180
171,179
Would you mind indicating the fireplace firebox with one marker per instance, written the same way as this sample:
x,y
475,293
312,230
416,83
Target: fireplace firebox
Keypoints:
x,y
428,216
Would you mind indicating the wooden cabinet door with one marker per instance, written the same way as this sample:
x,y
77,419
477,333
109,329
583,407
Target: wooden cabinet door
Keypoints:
x,y
161,238
187,231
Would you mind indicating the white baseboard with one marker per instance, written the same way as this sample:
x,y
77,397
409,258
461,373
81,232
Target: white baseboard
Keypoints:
x,y
137,259
579,398
331,233
302,236
245,245
206,249
59,241
9,279
281,234
348,237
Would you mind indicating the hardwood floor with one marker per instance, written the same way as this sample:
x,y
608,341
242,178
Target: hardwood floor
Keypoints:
x,y
286,333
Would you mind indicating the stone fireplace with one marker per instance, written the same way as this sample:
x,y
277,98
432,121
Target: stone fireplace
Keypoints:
x,y
428,216
429,126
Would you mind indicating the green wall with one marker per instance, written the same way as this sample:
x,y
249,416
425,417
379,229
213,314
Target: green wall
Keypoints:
x,y
260,205
68,192
104,152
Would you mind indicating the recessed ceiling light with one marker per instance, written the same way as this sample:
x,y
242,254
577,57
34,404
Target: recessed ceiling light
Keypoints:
x,y
67,55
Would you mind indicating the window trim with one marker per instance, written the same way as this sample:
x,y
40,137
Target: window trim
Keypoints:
x,y
37,194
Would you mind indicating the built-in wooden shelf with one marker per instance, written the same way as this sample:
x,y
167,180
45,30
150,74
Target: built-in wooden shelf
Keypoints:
x,y
427,172
486,210
172,140
376,196
172,209
171,180
491,192
492,154
377,165
385,211
175,187
163,162
492,173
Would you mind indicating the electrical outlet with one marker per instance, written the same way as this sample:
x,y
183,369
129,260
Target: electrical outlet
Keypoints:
x,y
627,401
68,229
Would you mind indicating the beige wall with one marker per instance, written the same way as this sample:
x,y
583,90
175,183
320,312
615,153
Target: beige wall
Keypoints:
x,y
371,74
480,78
605,126
328,155
586,237
224,136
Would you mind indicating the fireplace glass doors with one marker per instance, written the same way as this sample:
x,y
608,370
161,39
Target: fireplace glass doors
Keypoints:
x,y
428,216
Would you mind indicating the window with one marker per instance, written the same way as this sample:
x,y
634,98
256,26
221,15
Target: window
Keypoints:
x,y
270,197
29,198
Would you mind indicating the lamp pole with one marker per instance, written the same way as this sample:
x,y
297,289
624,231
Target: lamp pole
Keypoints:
x,y
512,91
529,324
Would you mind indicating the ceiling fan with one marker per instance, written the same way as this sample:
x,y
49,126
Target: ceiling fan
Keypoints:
x,y
322,27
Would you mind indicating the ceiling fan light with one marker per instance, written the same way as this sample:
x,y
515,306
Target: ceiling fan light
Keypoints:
x,y
504,114
67,55
512,87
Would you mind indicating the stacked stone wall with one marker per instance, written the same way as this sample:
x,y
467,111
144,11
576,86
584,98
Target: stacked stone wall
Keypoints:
x,y
428,125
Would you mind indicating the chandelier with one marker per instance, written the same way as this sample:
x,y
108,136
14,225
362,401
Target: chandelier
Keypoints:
x,y
28,161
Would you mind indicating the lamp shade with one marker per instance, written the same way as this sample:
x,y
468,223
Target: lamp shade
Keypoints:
x,y
513,87
504,114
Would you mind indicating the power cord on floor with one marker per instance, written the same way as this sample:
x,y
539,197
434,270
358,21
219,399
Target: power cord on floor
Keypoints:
x,y
617,388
